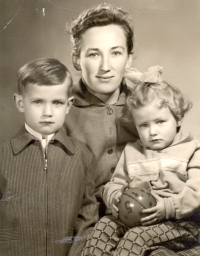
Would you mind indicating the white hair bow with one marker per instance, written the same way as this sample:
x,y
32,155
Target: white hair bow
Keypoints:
x,y
153,75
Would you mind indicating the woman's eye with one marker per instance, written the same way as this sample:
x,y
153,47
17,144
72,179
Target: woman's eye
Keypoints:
x,y
93,55
143,125
116,53
160,122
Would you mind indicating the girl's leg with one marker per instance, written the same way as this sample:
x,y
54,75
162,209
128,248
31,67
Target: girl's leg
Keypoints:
x,y
176,236
104,238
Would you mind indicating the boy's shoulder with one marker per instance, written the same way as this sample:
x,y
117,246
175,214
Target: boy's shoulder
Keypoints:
x,y
21,137
71,143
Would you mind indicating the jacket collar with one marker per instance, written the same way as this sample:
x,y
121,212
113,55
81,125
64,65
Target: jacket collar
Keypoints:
x,y
84,98
181,138
24,139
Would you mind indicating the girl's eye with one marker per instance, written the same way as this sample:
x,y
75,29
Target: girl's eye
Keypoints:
x,y
143,125
160,122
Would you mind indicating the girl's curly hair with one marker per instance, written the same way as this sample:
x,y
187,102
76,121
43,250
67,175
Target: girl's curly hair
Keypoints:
x,y
167,95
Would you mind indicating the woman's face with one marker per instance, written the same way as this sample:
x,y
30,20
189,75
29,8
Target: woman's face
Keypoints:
x,y
103,58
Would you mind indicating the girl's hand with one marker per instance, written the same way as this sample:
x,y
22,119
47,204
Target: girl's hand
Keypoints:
x,y
116,200
156,213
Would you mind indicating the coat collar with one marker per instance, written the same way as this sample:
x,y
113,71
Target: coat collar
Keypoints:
x,y
84,98
24,139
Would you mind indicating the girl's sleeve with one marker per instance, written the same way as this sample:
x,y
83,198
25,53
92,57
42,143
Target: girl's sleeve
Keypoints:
x,y
187,202
118,180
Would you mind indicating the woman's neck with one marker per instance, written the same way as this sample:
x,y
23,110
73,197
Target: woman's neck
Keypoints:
x,y
111,98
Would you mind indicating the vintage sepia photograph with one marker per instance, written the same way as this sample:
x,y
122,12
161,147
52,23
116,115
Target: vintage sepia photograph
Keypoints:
x,y
99,128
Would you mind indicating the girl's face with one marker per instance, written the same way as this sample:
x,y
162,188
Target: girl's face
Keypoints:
x,y
103,58
156,125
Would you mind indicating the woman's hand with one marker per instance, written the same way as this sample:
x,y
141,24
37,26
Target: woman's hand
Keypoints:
x,y
156,213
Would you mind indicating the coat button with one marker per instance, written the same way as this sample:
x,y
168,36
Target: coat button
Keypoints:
x,y
112,170
110,151
109,111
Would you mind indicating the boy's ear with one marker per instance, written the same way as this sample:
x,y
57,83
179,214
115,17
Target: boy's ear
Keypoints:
x,y
129,61
69,104
18,100
76,62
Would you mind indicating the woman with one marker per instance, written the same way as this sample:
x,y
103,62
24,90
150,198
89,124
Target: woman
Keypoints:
x,y
103,48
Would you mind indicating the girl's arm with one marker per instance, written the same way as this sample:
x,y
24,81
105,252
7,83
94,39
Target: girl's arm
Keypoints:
x,y
182,205
117,183
187,202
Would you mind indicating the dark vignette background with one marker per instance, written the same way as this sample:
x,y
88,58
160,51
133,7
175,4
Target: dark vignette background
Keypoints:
x,y
167,32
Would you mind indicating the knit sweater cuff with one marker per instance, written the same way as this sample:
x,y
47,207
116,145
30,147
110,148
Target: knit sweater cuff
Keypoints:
x,y
169,208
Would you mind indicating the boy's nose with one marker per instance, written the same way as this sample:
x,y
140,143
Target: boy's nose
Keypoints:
x,y
47,110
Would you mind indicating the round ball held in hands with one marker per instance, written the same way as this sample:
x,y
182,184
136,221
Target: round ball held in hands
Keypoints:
x,y
131,204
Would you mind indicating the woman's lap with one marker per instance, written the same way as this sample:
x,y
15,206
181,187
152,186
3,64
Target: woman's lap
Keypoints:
x,y
109,237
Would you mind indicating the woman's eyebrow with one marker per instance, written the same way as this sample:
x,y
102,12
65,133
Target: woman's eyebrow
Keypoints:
x,y
112,48
115,47
92,49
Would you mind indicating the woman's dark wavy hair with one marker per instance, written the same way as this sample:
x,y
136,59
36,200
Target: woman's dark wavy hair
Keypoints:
x,y
102,15
166,95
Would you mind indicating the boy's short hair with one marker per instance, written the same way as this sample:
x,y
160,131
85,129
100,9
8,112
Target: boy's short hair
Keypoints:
x,y
45,72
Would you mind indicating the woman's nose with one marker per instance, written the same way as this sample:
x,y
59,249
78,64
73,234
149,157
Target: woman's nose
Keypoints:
x,y
105,65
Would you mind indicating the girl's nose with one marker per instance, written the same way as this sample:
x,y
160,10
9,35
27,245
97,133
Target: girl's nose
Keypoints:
x,y
153,130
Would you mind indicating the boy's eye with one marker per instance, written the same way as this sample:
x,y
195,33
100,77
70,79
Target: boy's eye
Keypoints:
x,y
37,102
58,103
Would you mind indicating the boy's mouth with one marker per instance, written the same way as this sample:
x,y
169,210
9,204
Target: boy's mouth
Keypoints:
x,y
46,122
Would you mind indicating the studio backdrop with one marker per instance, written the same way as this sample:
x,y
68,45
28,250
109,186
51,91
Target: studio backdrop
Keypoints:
x,y
167,33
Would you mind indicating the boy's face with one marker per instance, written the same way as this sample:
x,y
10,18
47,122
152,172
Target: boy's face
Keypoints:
x,y
156,126
103,58
44,107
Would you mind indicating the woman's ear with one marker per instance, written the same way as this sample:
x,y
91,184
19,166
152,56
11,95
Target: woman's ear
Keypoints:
x,y
18,100
76,62
129,61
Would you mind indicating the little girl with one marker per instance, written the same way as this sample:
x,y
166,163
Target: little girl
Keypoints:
x,y
163,160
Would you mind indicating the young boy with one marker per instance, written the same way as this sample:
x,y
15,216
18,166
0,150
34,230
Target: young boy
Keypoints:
x,y
47,201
